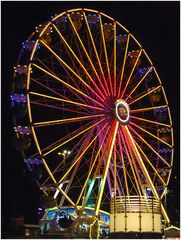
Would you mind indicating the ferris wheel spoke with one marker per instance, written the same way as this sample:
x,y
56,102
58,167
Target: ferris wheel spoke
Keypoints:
x,y
64,100
142,165
130,162
112,138
147,109
105,198
83,152
144,95
91,159
70,69
123,66
86,53
68,120
133,183
67,85
120,179
119,186
149,133
61,163
82,66
140,181
55,107
164,184
106,56
70,135
129,78
74,81
92,166
122,192
118,182
97,56
51,90
81,179
144,76
55,182
48,169
150,121
74,136
44,65
132,157
46,105
143,140
138,156
140,160
115,172
124,167
76,166
101,158
107,179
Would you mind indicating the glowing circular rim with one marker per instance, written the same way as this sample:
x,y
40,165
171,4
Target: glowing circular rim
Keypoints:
x,y
117,103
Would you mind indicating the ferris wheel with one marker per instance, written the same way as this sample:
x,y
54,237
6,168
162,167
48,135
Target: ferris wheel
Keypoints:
x,y
90,112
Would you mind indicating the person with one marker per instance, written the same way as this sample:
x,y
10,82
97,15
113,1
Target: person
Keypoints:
x,y
53,224
104,234
63,222
70,221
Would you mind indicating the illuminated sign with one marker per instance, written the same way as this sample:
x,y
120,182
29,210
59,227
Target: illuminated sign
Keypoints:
x,y
122,111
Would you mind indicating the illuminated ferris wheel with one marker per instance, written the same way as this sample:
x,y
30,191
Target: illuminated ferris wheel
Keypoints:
x,y
85,84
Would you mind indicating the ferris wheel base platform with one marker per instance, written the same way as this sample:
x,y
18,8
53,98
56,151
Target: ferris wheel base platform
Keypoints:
x,y
135,235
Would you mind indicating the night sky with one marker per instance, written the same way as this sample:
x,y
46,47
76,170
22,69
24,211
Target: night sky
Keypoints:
x,y
156,25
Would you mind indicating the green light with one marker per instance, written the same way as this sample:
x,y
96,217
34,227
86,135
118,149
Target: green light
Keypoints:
x,y
90,200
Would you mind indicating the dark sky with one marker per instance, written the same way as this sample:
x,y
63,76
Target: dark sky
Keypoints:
x,y
156,25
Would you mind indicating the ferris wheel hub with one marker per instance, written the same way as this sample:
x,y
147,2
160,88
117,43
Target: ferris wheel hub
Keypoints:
x,y
122,111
